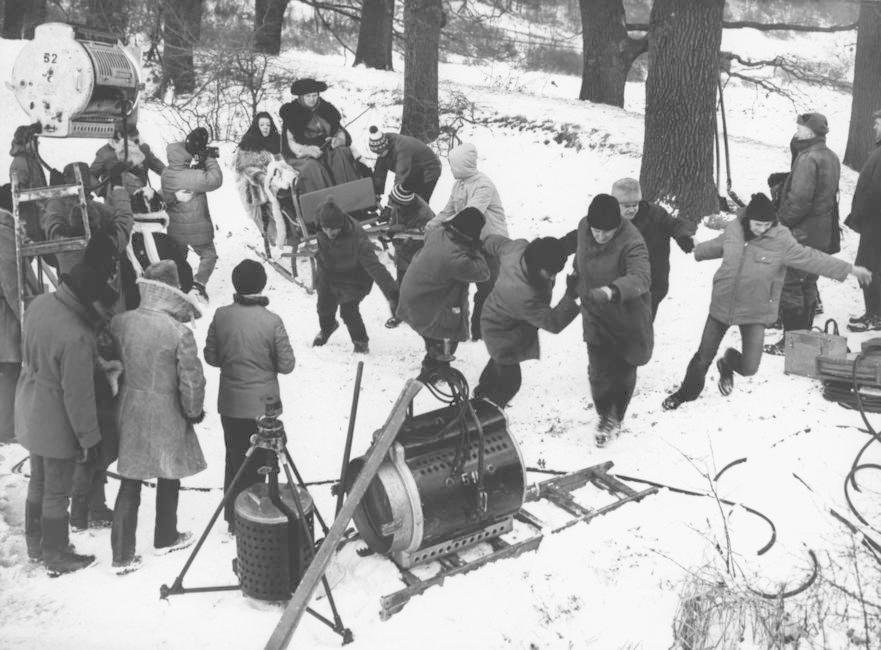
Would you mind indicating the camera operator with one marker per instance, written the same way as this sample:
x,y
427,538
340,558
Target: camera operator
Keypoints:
x,y
191,172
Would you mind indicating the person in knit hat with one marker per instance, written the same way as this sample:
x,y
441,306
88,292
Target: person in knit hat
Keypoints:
x,y
250,345
865,218
518,306
809,208
412,161
657,228
408,216
756,251
434,292
474,189
614,277
347,266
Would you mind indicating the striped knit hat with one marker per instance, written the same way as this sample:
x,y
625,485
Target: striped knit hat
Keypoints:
x,y
401,194
379,142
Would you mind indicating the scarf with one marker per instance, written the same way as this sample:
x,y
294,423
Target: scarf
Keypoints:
x,y
253,140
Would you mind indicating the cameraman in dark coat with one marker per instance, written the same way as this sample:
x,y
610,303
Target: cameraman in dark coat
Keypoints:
x,y
865,218
347,267
616,308
184,188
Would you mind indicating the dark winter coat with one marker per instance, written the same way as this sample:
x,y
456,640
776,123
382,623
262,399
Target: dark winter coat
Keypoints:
x,y
295,118
625,325
133,180
251,347
114,217
55,412
434,292
407,157
808,203
413,216
10,329
162,386
348,265
865,212
516,308
30,174
657,227
746,288
189,222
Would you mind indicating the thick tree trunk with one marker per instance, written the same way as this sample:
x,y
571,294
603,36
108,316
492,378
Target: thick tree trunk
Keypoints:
x,y
182,22
108,15
422,25
608,51
680,105
268,22
375,35
866,86
21,16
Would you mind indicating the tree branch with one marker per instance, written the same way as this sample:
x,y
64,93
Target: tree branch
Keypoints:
x,y
763,27
791,67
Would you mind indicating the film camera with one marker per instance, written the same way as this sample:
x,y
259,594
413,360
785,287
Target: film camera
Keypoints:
x,y
196,144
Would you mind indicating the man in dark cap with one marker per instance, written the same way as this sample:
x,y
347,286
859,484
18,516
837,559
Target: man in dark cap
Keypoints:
x,y
518,306
865,218
413,162
809,208
347,266
614,277
313,140
434,293
141,160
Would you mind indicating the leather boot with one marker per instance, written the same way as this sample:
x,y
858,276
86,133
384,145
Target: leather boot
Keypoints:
x,y
33,529
57,555
692,385
79,512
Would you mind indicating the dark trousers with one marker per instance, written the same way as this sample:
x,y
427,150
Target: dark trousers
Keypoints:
x,y
798,301
237,434
871,297
50,484
125,517
744,363
423,185
434,353
8,379
87,493
482,293
499,382
349,311
612,381
656,300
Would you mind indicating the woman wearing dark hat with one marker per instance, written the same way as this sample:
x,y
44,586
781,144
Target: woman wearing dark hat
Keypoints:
x,y
434,293
347,266
756,251
251,347
313,139
614,277
518,306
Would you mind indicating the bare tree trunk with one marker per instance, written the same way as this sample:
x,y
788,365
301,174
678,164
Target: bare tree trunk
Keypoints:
x,y
21,16
608,51
680,105
866,88
108,15
422,24
181,29
375,35
268,22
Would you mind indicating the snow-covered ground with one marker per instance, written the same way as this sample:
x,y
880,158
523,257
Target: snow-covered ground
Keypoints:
x,y
613,583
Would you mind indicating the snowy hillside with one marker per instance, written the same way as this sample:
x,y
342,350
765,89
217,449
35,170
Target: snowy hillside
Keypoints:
x,y
613,583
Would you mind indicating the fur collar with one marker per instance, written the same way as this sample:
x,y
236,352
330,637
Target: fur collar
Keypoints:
x,y
158,296
250,299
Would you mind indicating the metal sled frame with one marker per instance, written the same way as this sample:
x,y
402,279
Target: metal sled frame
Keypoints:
x,y
557,491
30,285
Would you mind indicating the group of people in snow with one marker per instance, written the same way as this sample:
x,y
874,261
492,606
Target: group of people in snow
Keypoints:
x,y
107,369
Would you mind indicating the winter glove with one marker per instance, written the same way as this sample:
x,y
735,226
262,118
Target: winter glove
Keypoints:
x,y
600,295
90,455
571,285
686,243
198,419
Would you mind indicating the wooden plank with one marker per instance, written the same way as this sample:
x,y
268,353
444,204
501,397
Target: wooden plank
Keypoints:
x,y
43,193
526,517
295,609
34,249
605,509
566,502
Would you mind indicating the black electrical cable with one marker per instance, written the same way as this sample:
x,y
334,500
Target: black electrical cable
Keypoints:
x,y
850,479
733,463
815,572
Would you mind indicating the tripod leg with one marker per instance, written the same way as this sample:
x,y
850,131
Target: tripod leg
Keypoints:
x,y
290,463
177,586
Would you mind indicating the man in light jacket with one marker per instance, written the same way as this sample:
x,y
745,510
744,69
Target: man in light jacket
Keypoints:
x,y
184,188
474,189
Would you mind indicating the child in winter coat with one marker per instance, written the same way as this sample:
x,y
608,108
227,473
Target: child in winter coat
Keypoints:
x,y
413,162
756,252
657,228
251,347
346,269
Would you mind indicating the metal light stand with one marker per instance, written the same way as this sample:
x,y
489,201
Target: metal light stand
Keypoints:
x,y
271,437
